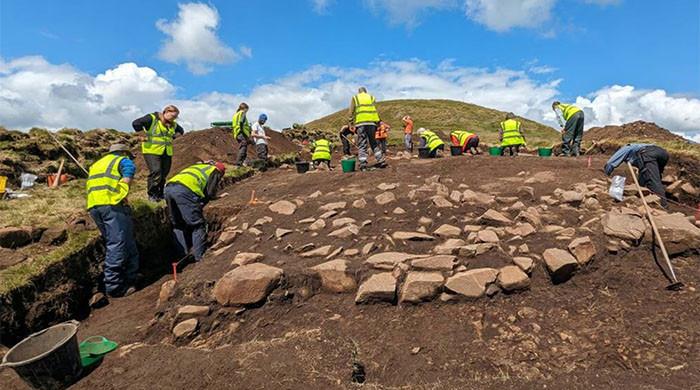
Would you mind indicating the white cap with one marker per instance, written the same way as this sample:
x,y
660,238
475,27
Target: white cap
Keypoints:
x,y
421,130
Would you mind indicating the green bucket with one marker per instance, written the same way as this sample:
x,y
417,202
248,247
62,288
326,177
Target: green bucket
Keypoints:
x,y
544,152
348,165
495,150
94,348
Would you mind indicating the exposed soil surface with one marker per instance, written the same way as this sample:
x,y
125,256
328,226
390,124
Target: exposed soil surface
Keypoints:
x,y
613,325
640,130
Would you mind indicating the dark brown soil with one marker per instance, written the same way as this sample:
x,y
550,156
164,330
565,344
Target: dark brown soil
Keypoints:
x,y
637,130
613,325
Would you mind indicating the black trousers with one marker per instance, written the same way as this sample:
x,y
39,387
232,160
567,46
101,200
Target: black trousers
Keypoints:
x,y
653,160
242,149
344,135
158,169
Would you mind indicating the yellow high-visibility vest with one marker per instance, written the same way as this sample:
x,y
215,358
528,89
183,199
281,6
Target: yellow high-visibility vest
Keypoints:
x,y
194,178
568,110
322,150
240,123
432,141
462,136
159,138
365,110
511,133
104,186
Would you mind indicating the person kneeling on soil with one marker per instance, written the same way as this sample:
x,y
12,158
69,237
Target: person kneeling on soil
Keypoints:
x,y
107,188
430,140
321,149
382,135
510,135
468,141
260,138
186,194
649,159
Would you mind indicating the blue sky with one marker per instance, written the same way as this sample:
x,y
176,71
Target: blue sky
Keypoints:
x,y
622,60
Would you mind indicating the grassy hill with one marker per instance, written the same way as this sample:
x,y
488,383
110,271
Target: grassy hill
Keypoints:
x,y
444,115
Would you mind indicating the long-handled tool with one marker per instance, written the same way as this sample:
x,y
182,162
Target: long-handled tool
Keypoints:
x,y
69,153
676,285
57,181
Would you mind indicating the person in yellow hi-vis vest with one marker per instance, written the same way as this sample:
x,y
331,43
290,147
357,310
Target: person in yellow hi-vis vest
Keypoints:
x,y
511,135
364,116
241,132
107,187
572,130
160,128
186,194
430,140
321,152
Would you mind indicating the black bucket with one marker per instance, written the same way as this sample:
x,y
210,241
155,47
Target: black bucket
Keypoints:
x,y
302,166
423,153
49,359
456,150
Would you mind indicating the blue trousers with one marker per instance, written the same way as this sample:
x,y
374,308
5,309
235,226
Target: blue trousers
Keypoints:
x,y
122,256
189,225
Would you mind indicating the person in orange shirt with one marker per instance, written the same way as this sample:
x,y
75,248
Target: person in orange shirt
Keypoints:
x,y
408,133
382,135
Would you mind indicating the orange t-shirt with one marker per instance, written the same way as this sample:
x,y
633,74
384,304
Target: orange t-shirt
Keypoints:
x,y
408,129
382,132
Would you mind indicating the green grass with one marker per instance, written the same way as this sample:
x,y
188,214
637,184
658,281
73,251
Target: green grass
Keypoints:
x,y
445,116
22,273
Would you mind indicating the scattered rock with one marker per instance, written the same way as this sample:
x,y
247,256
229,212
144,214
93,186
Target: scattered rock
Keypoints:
x,y
244,258
99,300
526,192
15,237
343,221
279,232
541,177
679,235
399,211
318,252
487,236
283,207
446,230
263,221
441,202
351,252
456,196
522,229
583,249
247,284
387,260
255,231
387,187
690,189
56,235
411,236
315,195
360,203
530,215
472,283
517,206
560,264
435,263
572,197
318,225
449,247
335,276
425,221
512,278
328,214
469,196
367,248
335,206
167,291
525,263
621,223
379,287
494,218
307,220
524,248
385,198
345,232
185,328
190,311
421,286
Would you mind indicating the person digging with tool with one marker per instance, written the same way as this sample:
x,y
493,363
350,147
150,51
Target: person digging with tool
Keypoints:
x,y
107,189
241,132
345,132
382,136
572,130
468,141
186,194
430,140
510,135
650,161
159,131
321,149
364,115
260,138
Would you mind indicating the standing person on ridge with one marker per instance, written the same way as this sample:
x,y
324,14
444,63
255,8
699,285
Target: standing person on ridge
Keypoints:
x,y
408,133
241,132
365,117
186,194
260,138
511,135
572,130
107,188
160,130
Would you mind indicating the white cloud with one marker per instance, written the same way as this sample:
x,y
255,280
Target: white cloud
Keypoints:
x,y
503,15
192,39
321,6
406,12
34,92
